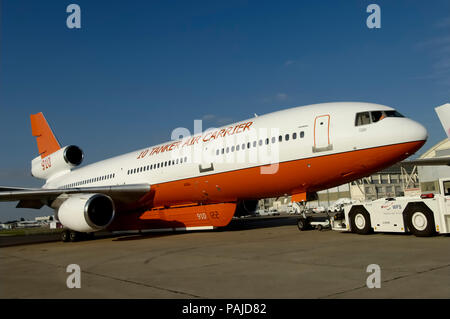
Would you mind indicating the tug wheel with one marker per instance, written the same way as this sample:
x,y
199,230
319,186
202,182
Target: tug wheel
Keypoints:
x,y
360,221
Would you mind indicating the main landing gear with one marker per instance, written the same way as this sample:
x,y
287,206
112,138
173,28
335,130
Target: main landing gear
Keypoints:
x,y
74,236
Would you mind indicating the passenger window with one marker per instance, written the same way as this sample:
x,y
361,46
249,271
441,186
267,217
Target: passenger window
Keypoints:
x,y
267,141
260,142
294,136
237,147
302,134
274,139
243,146
286,137
232,148
362,118
254,144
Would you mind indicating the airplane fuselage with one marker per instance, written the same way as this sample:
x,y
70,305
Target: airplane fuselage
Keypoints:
x,y
297,150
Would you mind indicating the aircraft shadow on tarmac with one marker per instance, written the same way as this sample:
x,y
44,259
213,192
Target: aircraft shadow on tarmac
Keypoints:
x,y
237,224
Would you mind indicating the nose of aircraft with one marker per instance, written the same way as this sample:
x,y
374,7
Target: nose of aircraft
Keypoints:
x,y
414,134
417,131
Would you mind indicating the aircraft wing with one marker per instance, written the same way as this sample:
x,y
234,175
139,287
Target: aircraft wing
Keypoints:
x,y
8,189
38,197
436,161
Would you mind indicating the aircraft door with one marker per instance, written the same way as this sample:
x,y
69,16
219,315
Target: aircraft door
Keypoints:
x,y
322,140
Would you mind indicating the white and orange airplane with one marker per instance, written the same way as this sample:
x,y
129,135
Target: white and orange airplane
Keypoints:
x,y
202,181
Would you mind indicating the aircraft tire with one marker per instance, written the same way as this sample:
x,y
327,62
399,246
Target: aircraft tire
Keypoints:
x,y
65,237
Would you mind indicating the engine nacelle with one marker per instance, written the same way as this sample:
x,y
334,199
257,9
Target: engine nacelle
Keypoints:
x,y
86,212
57,163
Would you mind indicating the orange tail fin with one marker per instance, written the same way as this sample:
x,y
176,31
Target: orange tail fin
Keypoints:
x,y
46,140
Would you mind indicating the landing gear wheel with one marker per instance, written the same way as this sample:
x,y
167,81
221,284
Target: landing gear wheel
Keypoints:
x,y
420,222
360,222
65,236
74,236
302,224
319,227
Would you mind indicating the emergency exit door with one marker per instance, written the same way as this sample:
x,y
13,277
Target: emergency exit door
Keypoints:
x,y
322,140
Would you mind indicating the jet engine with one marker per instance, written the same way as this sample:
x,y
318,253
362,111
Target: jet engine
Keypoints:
x,y
86,212
60,161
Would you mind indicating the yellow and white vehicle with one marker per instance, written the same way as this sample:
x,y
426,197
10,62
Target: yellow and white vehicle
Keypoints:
x,y
425,215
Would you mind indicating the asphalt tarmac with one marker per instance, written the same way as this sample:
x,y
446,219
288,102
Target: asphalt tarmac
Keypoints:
x,y
250,258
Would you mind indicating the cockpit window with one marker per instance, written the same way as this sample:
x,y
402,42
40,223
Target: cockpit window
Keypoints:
x,y
377,115
393,114
362,118
365,118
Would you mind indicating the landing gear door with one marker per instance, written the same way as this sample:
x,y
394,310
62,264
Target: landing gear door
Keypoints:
x,y
322,140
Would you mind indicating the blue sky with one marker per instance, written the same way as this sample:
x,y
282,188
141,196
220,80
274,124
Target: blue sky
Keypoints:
x,y
138,69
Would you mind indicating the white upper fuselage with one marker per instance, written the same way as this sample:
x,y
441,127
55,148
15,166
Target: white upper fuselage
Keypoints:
x,y
321,129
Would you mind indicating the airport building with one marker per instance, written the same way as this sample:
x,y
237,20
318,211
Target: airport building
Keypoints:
x,y
44,219
429,175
